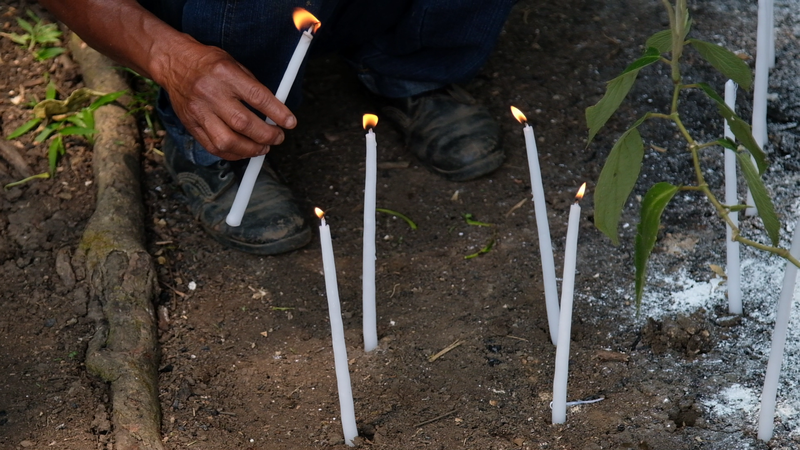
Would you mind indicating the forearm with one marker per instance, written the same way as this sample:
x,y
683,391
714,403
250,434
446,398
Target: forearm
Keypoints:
x,y
124,31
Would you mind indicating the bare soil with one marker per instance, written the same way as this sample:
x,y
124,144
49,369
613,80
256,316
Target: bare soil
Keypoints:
x,y
245,341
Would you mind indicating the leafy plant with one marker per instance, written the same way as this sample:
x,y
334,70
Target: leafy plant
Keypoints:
x,y
56,119
143,99
45,36
622,167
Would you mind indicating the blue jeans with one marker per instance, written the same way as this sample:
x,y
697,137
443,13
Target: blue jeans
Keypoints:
x,y
399,48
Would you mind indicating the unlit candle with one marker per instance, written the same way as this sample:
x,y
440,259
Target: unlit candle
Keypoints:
x,y
304,21
565,318
768,395
337,334
542,226
732,198
370,320
760,86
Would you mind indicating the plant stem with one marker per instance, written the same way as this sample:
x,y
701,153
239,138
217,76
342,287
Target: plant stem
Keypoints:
x,y
723,212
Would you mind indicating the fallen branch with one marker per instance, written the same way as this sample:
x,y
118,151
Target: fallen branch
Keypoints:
x,y
122,277
12,155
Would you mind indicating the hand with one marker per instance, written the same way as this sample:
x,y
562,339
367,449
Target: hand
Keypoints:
x,y
207,87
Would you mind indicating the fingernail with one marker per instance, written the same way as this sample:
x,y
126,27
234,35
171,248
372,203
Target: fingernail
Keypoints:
x,y
264,150
290,122
279,139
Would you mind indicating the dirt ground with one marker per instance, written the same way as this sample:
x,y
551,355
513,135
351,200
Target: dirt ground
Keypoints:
x,y
245,341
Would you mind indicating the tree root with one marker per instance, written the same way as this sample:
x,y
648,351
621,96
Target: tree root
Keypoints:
x,y
124,350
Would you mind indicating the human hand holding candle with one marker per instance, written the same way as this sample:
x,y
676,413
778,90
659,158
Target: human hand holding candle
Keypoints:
x,y
303,20
542,225
337,333
370,324
565,318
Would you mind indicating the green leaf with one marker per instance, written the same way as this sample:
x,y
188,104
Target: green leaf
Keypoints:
x,y
653,205
54,152
77,120
76,131
46,132
739,127
25,25
50,91
760,196
727,143
24,128
616,182
725,61
88,118
16,38
106,99
48,52
617,89
661,41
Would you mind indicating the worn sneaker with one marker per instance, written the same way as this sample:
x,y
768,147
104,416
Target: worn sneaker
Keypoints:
x,y
448,132
272,223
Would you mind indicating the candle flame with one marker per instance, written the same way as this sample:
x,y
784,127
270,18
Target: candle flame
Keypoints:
x,y
304,20
579,195
518,115
370,121
320,213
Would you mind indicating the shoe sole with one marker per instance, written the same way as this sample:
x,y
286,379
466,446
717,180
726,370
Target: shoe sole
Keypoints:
x,y
286,245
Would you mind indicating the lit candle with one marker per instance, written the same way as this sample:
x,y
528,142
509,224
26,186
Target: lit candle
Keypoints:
x,y
760,86
545,245
370,325
732,198
565,318
337,334
782,314
303,20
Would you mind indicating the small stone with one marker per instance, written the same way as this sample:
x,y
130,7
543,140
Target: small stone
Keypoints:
x,y
50,323
26,444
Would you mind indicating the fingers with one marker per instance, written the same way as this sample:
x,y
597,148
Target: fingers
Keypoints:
x,y
259,97
209,89
214,134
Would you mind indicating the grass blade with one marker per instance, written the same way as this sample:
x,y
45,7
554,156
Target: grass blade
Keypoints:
x,y
402,216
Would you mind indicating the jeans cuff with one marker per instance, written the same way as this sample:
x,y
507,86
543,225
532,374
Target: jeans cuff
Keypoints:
x,y
185,142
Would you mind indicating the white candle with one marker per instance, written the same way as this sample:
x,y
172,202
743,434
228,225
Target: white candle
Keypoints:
x,y
768,395
542,225
304,21
370,324
732,198
760,86
771,27
337,334
565,318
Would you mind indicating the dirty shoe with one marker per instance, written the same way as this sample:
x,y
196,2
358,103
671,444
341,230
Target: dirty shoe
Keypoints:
x,y
448,132
272,223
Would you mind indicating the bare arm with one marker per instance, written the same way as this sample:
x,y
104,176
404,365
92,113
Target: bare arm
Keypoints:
x,y
205,84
